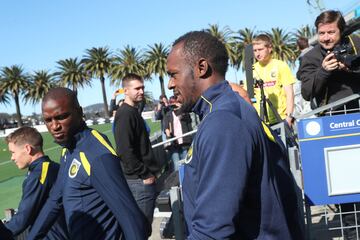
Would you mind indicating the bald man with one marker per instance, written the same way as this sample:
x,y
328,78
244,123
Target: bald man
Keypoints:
x,y
241,91
91,186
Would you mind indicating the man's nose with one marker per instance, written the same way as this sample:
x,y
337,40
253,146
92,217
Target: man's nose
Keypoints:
x,y
326,37
55,125
171,84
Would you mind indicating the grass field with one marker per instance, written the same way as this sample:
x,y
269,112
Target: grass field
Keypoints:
x,y
11,177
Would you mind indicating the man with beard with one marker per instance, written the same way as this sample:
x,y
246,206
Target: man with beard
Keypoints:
x,y
90,186
134,147
237,183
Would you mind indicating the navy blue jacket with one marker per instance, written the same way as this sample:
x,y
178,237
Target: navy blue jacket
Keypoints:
x,y
237,179
95,196
36,187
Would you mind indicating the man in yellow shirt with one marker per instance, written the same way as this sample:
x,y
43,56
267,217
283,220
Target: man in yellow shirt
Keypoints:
x,y
277,78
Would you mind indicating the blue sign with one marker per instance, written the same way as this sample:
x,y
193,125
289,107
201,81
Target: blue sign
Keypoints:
x,y
330,155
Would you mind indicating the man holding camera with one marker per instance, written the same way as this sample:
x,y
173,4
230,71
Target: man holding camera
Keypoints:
x,y
327,78
324,75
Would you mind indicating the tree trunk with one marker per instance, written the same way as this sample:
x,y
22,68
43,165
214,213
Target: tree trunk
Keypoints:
x,y
106,108
75,90
162,85
18,113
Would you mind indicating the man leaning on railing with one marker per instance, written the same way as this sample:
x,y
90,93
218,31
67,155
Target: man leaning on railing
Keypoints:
x,y
331,71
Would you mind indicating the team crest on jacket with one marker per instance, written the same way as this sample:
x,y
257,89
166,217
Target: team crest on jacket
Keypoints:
x,y
74,168
189,155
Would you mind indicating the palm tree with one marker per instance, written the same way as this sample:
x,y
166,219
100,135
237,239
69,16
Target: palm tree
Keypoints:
x,y
128,60
242,38
224,36
14,80
72,74
42,81
148,96
284,47
97,63
155,61
305,31
4,95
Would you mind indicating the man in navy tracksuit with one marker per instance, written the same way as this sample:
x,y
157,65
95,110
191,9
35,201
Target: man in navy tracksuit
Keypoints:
x,y
237,182
25,145
91,187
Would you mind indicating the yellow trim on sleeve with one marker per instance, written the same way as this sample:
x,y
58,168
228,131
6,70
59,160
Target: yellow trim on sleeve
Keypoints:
x,y
268,132
85,163
44,171
103,141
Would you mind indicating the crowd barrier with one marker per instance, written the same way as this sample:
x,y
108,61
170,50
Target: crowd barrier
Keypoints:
x,y
326,166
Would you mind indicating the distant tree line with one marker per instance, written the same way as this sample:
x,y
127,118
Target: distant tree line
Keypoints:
x,y
103,63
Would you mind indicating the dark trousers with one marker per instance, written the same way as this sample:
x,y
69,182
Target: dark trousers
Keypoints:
x,y
145,196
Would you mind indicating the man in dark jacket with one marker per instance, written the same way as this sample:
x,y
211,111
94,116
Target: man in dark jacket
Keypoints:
x,y
325,79
91,187
25,145
134,147
237,182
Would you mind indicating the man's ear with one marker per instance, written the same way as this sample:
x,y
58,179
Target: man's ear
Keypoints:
x,y
125,91
203,68
28,149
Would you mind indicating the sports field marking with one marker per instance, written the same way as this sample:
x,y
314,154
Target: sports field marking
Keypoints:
x,y
48,149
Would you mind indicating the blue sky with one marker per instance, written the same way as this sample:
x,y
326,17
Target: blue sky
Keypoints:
x,y
36,34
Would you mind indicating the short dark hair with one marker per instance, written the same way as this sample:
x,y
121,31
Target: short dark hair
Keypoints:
x,y
26,135
331,16
61,92
129,77
201,44
302,43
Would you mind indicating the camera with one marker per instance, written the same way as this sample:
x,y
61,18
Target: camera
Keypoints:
x,y
344,53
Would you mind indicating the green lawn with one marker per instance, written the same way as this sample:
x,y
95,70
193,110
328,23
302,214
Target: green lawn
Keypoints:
x,y
11,177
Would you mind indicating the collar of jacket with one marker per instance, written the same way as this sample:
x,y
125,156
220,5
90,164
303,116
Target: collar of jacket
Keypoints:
x,y
33,165
204,104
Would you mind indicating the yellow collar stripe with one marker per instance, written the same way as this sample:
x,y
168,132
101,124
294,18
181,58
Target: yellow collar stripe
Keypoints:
x,y
208,103
85,163
63,152
103,142
44,171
